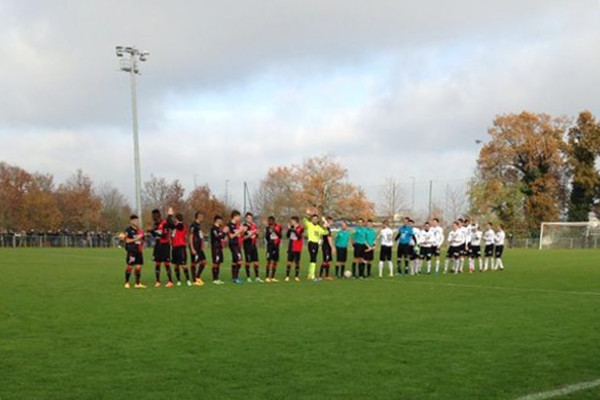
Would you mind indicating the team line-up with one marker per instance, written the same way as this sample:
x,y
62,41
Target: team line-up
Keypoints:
x,y
416,247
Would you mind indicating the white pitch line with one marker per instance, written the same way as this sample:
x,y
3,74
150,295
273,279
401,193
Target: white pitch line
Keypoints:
x,y
577,387
520,289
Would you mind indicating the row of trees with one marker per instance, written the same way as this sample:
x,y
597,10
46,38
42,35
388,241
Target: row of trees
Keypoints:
x,y
34,201
537,168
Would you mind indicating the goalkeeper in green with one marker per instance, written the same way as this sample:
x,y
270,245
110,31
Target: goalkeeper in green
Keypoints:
x,y
314,232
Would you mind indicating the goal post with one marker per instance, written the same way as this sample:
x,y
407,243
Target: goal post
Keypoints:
x,y
569,235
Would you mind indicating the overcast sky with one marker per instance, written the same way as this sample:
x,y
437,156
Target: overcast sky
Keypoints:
x,y
388,87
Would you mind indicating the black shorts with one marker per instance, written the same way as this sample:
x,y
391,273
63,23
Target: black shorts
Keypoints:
x,y
455,251
404,250
475,251
251,253
498,251
199,257
369,255
359,250
162,252
342,254
385,253
489,250
294,256
436,251
217,255
426,253
327,254
179,255
466,250
236,255
134,258
272,253
313,251
413,252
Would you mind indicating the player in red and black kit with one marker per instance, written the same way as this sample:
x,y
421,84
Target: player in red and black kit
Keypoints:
x,y
235,233
218,235
178,251
250,249
162,249
196,244
295,235
273,233
134,245
328,249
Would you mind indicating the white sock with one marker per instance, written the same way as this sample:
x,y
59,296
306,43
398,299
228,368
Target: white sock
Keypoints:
x,y
428,266
391,266
446,262
501,263
437,265
380,268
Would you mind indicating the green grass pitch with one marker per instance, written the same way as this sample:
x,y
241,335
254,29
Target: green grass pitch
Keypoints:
x,y
68,330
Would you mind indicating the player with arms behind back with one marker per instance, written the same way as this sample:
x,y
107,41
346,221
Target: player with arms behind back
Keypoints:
x,y
327,248
475,248
499,248
134,245
488,237
385,253
196,244
295,234
273,234
427,242
342,241
438,233
218,235
235,233
456,245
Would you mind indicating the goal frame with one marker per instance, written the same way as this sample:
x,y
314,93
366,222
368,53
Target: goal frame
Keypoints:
x,y
588,224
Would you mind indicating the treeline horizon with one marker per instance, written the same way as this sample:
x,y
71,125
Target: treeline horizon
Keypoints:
x,y
535,168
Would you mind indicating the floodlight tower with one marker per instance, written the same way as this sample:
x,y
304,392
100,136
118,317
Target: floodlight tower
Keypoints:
x,y
128,62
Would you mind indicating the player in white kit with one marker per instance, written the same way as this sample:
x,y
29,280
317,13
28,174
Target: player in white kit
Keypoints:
x,y
475,248
427,242
499,248
386,237
456,245
465,228
438,233
489,236
415,259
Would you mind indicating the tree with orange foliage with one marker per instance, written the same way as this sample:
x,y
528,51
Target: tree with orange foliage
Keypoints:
x,y
78,203
319,182
521,171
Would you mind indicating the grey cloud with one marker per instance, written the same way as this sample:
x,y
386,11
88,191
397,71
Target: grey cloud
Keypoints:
x,y
58,62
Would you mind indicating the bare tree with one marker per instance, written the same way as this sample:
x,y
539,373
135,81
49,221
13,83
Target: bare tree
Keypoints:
x,y
114,207
392,199
456,201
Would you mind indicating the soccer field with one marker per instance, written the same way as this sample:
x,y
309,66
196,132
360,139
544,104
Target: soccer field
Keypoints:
x,y
70,331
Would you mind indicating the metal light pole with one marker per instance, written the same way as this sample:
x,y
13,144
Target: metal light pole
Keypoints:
x,y
130,65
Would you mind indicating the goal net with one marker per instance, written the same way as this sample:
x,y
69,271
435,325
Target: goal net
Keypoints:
x,y
570,235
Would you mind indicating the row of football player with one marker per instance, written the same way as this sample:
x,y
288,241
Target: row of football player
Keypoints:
x,y
415,246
